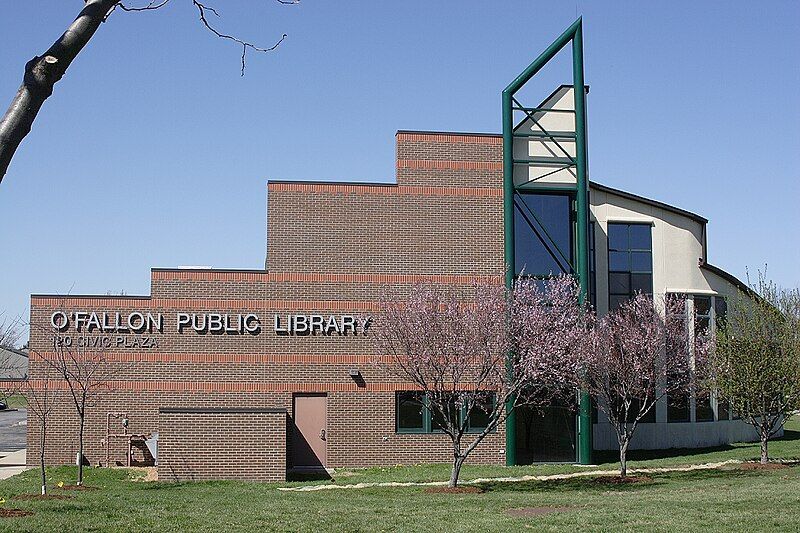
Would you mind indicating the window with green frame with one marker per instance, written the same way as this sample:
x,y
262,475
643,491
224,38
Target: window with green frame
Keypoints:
x,y
412,414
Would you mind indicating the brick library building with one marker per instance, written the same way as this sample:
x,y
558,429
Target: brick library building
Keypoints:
x,y
250,373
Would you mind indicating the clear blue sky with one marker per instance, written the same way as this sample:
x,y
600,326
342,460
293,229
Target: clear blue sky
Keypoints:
x,y
154,152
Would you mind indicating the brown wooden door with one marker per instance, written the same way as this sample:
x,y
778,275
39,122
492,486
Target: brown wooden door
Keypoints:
x,y
309,438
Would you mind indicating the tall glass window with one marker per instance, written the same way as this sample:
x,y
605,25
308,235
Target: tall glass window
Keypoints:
x,y
630,262
678,403
709,314
543,234
703,410
702,315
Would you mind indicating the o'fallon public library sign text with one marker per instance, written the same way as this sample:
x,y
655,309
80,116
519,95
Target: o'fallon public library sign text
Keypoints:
x,y
141,329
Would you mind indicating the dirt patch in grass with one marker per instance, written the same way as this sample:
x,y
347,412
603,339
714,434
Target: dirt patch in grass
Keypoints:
x,y
148,473
13,513
759,466
617,480
77,487
42,497
535,511
468,489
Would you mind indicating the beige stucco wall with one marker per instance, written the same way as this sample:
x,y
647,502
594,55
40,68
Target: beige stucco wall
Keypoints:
x,y
678,246
534,147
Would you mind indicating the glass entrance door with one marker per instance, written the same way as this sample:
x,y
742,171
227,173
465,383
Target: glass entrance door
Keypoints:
x,y
546,436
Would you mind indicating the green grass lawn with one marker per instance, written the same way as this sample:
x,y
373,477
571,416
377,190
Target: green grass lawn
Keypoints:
x,y
724,500
785,448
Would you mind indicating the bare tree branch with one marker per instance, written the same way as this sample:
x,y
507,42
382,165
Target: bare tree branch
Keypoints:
x,y
152,6
44,71
202,8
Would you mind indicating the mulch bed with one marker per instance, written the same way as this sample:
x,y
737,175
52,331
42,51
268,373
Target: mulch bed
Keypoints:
x,y
41,497
13,513
468,489
77,487
535,511
617,480
759,466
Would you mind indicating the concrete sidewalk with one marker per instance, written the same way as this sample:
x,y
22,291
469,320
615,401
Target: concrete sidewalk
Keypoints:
x,y
589,473
12,463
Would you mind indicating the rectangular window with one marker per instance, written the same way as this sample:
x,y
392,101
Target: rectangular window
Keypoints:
x,y
481,412
633,412
630,262
720,311
678,403
543,234
702,407
412,414
723,410
438,420
678,408
702,315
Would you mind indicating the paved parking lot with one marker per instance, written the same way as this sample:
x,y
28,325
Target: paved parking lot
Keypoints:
x,y
13,429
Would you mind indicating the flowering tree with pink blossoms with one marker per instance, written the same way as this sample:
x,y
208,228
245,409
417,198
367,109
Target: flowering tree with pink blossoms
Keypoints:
x,y
641,353
481,352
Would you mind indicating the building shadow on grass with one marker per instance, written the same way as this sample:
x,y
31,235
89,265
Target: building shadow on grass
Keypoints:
x,y
612,456
308,475
578,484
591,483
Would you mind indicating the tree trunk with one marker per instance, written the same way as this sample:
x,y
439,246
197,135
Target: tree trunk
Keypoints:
x,y
80,451
623,458
458,462
42,73
764,454
41,455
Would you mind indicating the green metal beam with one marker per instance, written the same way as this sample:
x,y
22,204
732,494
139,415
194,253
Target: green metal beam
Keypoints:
x,y
548,135
550,187
582,204
543,58
574,35
545,161
542,110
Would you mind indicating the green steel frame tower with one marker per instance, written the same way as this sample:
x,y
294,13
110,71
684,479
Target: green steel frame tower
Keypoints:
x,y
580,190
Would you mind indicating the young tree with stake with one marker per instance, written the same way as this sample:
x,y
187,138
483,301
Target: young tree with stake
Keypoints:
x,y
42,398
756,362
85,373
479,354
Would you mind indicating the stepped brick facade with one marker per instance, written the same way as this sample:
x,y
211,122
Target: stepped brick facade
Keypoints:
x,y
333,250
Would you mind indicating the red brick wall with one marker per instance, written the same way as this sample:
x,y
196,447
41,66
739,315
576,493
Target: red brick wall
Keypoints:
x,y
333,249
370,417
205,444
449,160
390,230
444,216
